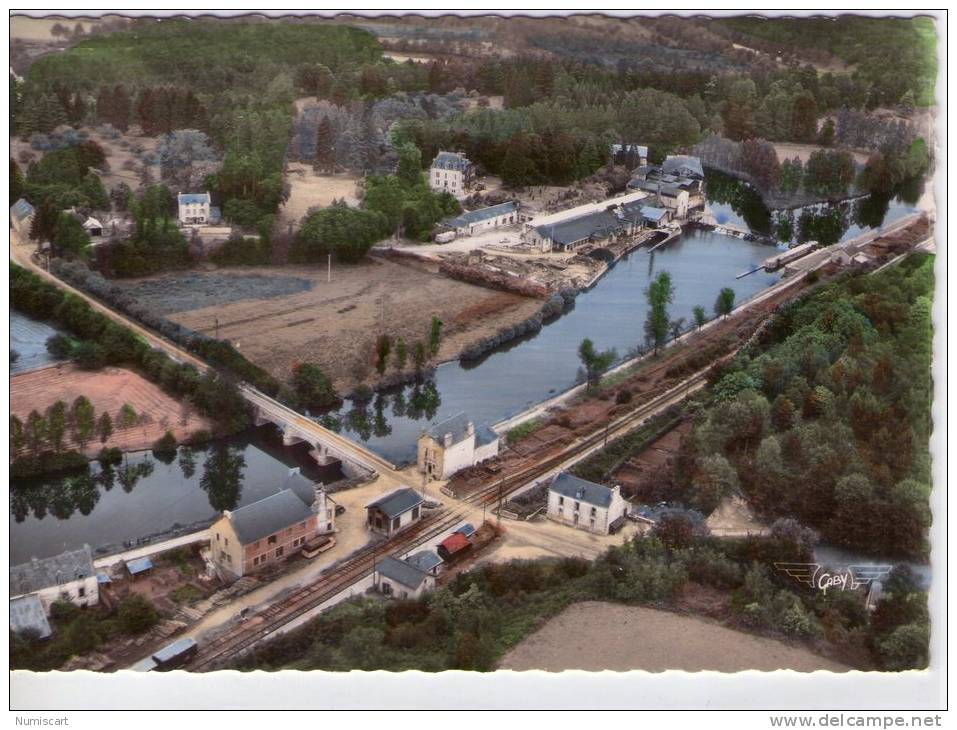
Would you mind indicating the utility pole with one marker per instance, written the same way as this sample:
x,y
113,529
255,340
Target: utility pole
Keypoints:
x,y
329,269
217,327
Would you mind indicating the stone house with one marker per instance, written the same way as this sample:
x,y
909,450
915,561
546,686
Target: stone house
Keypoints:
x,y
268,531
401,579
585,505
69,576
451,172
454,444
394,512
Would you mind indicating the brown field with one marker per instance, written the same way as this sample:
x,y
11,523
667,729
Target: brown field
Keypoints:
x,y
594,636
336,324
107,389
308,190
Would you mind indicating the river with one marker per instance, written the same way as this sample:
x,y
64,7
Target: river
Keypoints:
x,y
611,314
145,496
28,339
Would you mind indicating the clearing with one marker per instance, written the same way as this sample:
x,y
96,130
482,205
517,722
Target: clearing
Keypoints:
x,y
790,150
308,189
595,636
334,324
108,390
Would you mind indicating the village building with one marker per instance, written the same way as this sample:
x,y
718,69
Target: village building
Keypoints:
x,y
394,512
585,505
398,578
451,172
599,222
93,227
194,208
630,155
69,576
427,561
454,444
270,530
678,183
483,219
21,217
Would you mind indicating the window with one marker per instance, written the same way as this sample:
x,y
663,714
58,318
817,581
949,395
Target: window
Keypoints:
x,y
217,537
594,511
279,551
415,513
577,506
227,542
328,527
81,592
561,501
396,522
271,540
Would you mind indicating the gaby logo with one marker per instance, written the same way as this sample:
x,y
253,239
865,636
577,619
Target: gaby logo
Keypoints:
x,y
819,576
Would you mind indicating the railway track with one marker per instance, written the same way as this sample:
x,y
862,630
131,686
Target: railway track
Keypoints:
x,y
341,577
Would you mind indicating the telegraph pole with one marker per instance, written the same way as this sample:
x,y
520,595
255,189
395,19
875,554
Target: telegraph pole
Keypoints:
x,y
329,269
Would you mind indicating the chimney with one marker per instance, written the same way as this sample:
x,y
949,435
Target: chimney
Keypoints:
x,y
227,514
294,470
470,429
447,440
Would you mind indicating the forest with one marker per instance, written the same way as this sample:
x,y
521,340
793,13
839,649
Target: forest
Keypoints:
x,y
827,418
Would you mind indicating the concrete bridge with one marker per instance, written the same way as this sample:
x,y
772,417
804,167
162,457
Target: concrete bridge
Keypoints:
x,y
325,445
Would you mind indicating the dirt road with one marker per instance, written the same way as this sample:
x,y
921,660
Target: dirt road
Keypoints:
x,y
594,636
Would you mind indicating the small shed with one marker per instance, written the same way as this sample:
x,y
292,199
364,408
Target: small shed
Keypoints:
x,y
454,547
401,579
93,227
468,529
138,567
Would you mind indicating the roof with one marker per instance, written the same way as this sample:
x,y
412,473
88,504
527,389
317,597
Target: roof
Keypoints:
x,y
21,209
92,223
584,491
103,578
424,560
303,487
138,565
401,572
397,502
599,224
484,435
657,186
171,651
468,529
482,214
26,613
457,425
454,543
451,161
190,198
684,165
654,214
39,574
268,516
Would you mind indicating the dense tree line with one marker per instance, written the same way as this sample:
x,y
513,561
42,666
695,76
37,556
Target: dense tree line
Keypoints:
x,y
828,420
109,343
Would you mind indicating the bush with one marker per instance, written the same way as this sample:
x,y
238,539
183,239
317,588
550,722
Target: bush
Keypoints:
x,y
137,615
313,388
623,397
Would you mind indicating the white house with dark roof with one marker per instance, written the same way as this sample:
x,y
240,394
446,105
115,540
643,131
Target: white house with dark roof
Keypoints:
x,y
394,512
401,579
268,531
68,576
585,505
483,219
451,172
194,208
454,444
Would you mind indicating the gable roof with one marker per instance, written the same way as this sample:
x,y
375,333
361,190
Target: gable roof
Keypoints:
x,y
21,209
584,491
468,529
304,488
398,502
190,198
457,425
654,214
424,560
26,612
267,516
477,216
451,161
684,165
401,572
58,570
92,223
454,543
599,224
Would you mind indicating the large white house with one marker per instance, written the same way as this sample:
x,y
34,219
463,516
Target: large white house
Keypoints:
x,y
451,172
585,505
454,444
68,576
194,208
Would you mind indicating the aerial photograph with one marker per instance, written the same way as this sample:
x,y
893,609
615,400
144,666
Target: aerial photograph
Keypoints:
x,y
473,342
